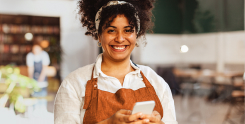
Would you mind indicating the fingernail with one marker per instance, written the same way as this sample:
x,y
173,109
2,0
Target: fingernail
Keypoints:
x,y
141,115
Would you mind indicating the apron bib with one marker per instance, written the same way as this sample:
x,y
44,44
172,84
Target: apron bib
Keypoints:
x,y
38,66
101,105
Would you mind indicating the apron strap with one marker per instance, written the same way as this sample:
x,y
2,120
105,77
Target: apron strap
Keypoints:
x,y
152,91
90,89
145,80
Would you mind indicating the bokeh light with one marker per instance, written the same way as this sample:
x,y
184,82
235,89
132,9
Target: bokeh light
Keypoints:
x,y
184,49
28,36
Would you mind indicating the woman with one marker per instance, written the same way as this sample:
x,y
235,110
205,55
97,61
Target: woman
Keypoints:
x,y
105,92
37,62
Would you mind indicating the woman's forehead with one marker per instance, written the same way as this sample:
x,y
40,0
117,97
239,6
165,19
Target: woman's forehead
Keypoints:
x,y
118,20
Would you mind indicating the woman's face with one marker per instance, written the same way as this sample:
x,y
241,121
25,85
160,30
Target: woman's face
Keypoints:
x,y
118,40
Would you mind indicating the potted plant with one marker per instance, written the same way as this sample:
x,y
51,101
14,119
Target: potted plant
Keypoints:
x,y
18,87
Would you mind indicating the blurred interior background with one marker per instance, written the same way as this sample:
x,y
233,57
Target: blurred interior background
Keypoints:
x,y
198,47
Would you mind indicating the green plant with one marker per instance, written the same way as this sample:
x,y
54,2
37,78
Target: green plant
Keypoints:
x,y
16,82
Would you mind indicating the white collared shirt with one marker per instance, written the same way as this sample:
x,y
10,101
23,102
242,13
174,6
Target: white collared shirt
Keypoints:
x,y
70,97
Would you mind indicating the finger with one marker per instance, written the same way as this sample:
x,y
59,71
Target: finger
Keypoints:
x,y
156,114
125,112
135,116
152,118
130,118
144,121
155,119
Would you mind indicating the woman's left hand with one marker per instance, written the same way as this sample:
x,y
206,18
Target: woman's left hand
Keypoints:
x,y
154,118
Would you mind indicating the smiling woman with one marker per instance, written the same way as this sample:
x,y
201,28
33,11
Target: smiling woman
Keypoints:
x,y
106,91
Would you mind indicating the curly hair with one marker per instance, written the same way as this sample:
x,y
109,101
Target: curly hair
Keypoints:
x,y
89,8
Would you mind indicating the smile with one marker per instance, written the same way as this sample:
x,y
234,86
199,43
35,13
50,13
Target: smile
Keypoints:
x,y
118,48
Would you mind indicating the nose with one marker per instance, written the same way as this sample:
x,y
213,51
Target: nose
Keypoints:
x,y
120,37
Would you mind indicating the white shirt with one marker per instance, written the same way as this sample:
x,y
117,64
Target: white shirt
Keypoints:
x,y
71,94
31,58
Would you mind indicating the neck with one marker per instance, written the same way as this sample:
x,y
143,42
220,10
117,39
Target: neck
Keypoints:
x,y
123,66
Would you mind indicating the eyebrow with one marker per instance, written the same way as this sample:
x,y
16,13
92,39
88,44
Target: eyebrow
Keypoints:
x,y
112,26
128,27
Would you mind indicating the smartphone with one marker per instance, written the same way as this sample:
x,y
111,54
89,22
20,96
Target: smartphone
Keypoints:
x,y
145,107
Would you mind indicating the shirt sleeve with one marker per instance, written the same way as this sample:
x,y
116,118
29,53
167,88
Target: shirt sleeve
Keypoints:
x,y
29,60
169,115
45,58
67,105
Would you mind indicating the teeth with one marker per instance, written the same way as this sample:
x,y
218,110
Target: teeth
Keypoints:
x,y
119,48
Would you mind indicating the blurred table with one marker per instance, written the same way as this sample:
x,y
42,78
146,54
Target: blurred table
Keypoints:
x,y
226,80
197,74
51,71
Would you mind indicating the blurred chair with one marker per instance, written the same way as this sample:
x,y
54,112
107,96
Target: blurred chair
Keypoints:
x,y
236,103
168,75
187,79
195,66
223,85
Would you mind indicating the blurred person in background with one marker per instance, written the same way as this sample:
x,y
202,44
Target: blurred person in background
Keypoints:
x,y
37,62
106,91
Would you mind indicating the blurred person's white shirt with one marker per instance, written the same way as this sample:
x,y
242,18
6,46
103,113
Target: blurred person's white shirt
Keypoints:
x,y
31,58
71,94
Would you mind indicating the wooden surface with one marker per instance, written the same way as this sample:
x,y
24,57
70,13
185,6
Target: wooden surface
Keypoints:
x,y
51,71
196,74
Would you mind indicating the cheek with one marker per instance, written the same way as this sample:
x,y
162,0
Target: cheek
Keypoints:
x,y
105,40
132,39
133,35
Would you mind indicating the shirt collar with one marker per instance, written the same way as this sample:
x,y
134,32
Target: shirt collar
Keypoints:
x,y
97,68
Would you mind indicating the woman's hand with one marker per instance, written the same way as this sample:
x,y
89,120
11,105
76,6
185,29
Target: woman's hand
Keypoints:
x,y
124,116
154,118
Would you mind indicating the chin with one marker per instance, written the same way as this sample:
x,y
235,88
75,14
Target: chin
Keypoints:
x,y
119,58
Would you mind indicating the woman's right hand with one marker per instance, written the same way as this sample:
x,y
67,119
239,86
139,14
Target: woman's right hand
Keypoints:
x,y
124,116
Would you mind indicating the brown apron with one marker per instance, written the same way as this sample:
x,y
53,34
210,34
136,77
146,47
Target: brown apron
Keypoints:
x,y
101,105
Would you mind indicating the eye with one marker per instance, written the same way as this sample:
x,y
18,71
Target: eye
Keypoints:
x,y
110,31
130,30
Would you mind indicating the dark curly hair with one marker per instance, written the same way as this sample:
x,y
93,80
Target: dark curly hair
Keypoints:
x,y
89,8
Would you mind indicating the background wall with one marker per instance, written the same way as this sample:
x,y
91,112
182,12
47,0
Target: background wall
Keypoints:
x,y
198,16
218,49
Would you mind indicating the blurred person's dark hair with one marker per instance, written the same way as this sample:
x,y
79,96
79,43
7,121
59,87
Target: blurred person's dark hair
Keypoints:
x,y
37,43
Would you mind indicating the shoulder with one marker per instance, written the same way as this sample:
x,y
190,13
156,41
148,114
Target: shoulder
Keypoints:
x,y
30,54
77,80
156,81
149,72
29,57
44,53
80,75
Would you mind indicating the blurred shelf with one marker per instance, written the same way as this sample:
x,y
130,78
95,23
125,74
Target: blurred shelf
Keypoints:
x,y
14,47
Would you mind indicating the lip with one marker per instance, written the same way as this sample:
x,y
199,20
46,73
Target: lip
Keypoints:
x,y
119,50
